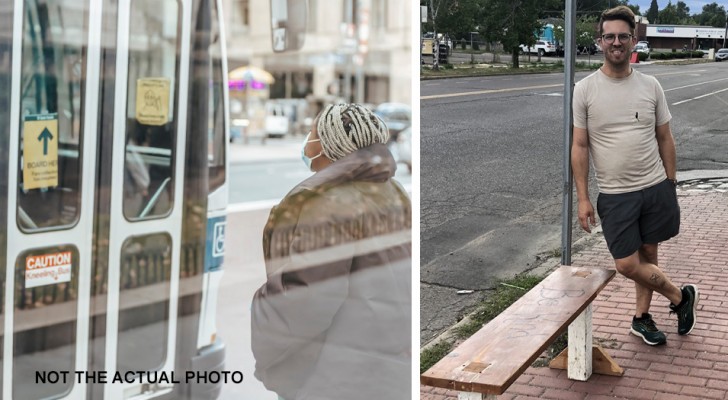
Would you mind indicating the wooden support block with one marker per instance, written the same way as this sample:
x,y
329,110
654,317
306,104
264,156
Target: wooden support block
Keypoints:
x,y
580,343
602,363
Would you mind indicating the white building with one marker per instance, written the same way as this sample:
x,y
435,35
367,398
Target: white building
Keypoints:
x,y
332,46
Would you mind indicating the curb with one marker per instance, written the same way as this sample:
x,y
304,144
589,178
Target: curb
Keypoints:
x,y
553,262
546,267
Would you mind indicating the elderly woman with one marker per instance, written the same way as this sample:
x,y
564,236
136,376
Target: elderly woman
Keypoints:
x,y
333,319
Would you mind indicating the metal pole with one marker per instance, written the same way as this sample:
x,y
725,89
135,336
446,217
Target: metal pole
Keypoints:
x,y
725,34
569,47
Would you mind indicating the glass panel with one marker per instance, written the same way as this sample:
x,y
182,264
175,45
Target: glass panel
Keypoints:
x,y
53,76
44,321
144,302
151,115
215,110
6,46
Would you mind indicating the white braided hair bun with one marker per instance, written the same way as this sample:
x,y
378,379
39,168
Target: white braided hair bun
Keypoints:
x,y
345,128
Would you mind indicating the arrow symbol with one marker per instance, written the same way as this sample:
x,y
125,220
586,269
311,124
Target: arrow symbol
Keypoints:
x,y
45,136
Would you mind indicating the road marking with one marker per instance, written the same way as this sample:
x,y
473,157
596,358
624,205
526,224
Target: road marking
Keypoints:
x,y
696,84
439,96
699,97
677,73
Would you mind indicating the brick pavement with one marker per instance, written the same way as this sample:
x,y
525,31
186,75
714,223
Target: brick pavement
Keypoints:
x,y
687,367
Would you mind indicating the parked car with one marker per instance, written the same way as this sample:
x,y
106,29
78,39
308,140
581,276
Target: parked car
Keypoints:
x,y
642,48
404,148
277,120
397,116
721,55
541,48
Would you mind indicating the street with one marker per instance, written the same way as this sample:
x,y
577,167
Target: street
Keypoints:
x,y
491,173
264,180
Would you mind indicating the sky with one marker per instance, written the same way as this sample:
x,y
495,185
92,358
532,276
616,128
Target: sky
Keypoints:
x,y
696,6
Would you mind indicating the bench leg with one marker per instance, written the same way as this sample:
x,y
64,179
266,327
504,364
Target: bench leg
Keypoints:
x,y
475,396
580,346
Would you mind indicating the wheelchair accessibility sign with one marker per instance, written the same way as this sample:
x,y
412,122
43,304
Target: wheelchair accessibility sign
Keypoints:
x,y
215,246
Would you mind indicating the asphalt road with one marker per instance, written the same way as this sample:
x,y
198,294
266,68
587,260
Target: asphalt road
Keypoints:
x,y
271,180
491,173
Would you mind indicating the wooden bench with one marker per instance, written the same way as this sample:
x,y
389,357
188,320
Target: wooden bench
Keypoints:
x,y
488,362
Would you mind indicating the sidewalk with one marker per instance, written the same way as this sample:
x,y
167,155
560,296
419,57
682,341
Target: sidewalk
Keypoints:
x,y
273,149
687,367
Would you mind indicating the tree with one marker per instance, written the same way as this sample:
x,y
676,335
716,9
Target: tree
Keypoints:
x,y
459,18
668,15
434,10
712,15
512,23
683,14
586,32
652,12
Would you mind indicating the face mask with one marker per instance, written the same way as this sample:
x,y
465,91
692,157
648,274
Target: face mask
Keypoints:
x,y
306,159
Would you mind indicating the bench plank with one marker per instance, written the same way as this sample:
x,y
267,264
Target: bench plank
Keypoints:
x,y
490,360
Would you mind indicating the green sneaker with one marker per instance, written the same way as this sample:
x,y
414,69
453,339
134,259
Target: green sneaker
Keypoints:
x,y
645,328
687,309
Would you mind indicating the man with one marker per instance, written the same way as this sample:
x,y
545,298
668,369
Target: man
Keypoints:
x,y
621,119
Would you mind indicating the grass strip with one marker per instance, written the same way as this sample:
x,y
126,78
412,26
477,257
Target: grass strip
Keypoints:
x,y
506,293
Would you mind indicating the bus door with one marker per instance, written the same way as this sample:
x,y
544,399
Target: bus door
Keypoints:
x,y
145,188
49,89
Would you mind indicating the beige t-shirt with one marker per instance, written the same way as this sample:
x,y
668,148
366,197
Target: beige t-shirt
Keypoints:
x,y
620,116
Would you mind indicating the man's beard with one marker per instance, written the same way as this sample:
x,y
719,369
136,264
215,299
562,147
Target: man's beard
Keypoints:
x,y
617,60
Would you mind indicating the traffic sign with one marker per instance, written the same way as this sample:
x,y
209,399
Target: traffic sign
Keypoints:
x,y
152,101
48,269
40,151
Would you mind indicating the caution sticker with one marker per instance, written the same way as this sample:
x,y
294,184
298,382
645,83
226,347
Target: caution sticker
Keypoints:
x,y
40,151
48,269
152,101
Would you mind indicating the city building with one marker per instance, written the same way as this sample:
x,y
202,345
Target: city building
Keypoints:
x,y
363,42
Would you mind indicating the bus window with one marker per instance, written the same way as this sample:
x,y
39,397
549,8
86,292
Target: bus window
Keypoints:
x,y
44,320
151,124
144,290
50,122
215,111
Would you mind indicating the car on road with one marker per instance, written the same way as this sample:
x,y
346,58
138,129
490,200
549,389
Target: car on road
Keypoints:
x,y
397,116
642,48
721,55
541,47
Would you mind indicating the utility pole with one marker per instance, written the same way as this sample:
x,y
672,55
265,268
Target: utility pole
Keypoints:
x,y
726,30
568,179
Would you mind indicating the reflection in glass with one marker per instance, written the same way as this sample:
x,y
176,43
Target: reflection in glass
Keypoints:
x,y
52,86
44,320
144,302
151,114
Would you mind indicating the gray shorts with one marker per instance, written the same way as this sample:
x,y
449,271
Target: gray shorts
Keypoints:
x,y
647,216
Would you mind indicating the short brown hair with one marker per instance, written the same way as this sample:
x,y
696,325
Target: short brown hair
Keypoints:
x,y
619,13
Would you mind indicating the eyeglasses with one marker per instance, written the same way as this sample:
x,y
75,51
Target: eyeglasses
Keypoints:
x,y
623,37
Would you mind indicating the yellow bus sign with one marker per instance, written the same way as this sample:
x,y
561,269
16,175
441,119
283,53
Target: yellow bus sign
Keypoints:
x,y
40,151
152,101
